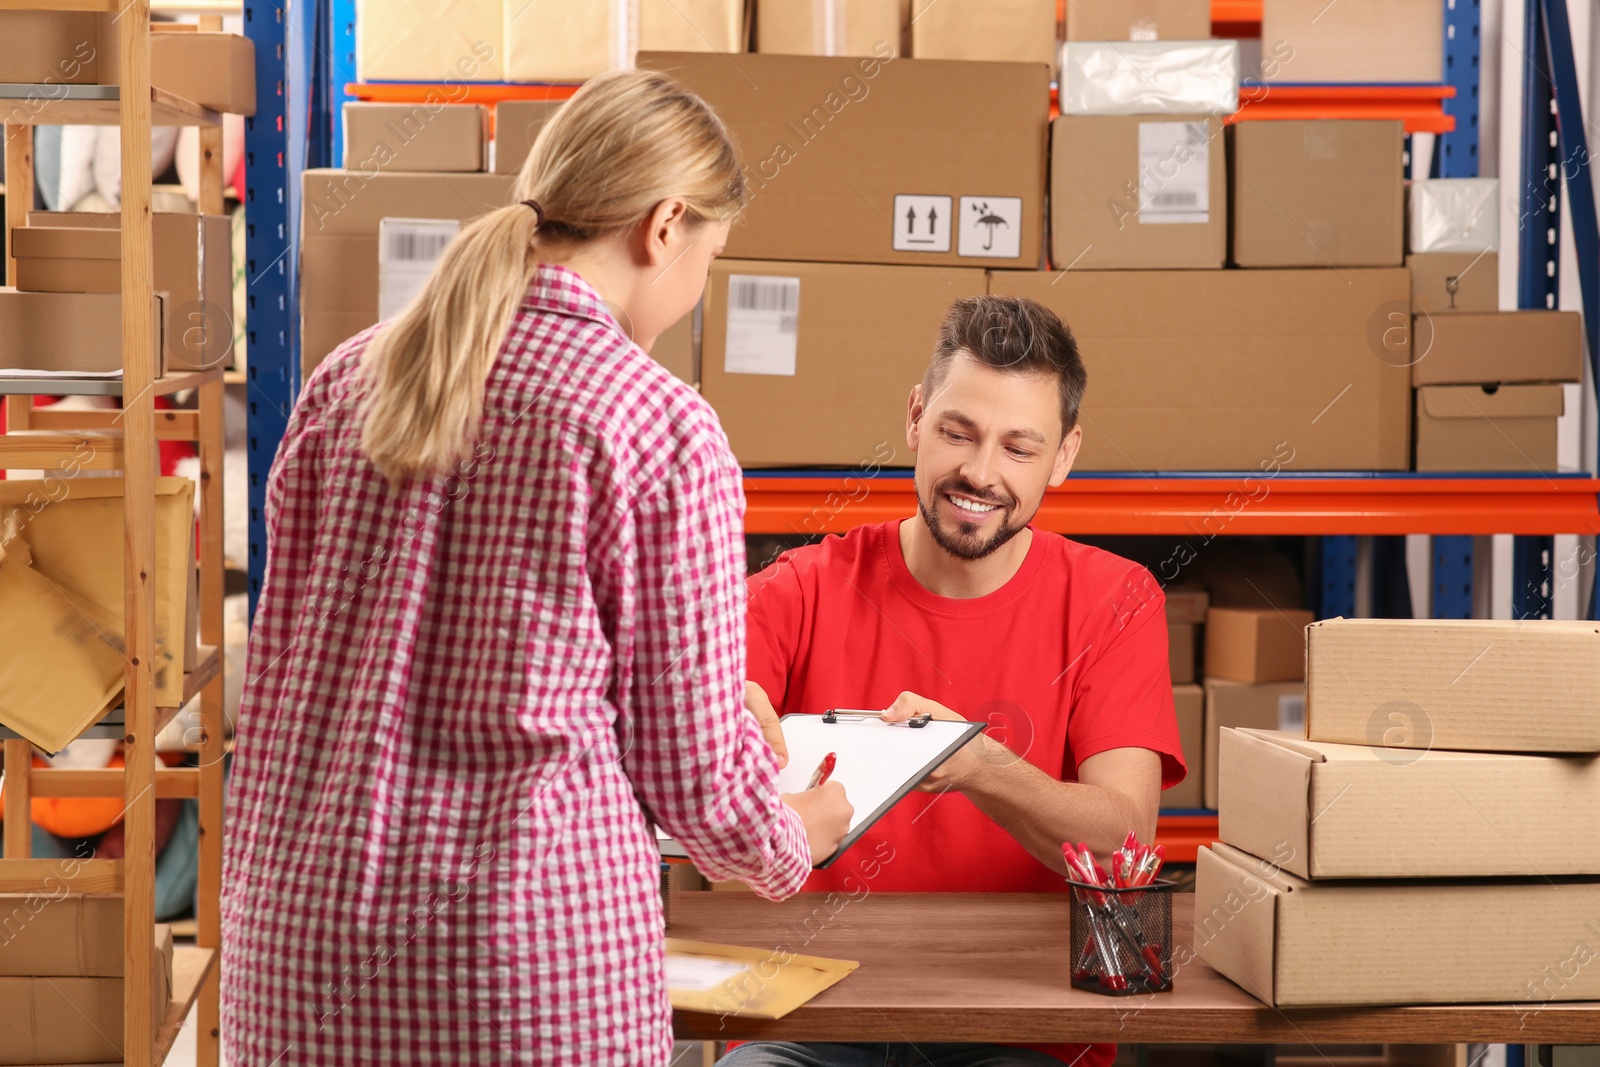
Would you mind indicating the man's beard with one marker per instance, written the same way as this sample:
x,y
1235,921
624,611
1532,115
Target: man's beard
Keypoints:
x,y
967,544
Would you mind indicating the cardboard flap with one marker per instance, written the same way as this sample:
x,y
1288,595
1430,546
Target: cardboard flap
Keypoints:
x,y
1309,749
1478,402
1235,921
1266,870
1264,797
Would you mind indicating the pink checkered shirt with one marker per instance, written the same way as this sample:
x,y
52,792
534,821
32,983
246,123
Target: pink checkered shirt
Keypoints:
x,y
465,705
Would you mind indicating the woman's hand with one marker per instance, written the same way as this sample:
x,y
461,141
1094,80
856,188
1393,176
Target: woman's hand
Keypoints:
x,y
826,815
756,702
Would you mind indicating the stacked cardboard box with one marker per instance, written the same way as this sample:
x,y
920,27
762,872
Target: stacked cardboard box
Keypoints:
x,y
1356,41
1446,779
831,27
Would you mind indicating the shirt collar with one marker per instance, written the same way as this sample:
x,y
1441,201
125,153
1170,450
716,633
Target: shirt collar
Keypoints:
x,y
563,291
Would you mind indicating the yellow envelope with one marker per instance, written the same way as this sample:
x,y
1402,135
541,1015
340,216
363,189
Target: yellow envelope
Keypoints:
x,y
756,983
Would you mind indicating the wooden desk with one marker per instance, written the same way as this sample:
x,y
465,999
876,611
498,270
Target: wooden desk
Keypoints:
x,y
956,967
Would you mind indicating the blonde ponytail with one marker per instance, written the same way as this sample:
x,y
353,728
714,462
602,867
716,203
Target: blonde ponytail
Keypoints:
x,y
624,142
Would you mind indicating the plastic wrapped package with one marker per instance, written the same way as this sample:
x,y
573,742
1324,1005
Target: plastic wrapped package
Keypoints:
x,y
1149,77
1453,215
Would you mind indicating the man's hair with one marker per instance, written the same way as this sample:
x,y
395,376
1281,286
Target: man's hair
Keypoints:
x,y
1013,334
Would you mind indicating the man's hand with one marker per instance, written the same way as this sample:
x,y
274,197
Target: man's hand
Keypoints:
x,y
960,769
756,702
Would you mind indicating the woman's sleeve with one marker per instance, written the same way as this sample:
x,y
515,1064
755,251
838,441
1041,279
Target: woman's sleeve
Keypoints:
x,y
697,758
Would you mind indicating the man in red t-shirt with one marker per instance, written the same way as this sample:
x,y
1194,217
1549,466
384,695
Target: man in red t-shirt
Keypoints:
x,y
967,611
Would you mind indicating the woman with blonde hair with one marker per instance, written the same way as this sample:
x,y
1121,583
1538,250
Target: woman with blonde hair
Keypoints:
x,y
501,634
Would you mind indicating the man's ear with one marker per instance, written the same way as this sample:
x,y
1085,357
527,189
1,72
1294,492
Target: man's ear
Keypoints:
x,y
664,231
1065,455
913,417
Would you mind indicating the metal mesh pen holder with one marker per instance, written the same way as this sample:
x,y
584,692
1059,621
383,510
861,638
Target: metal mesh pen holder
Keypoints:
x,y
666,895
1122,939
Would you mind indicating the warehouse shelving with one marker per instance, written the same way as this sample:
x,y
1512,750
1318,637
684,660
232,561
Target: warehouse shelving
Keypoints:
x,y
125,440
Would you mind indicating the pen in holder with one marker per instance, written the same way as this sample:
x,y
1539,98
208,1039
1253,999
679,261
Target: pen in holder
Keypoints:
x,y
1121,938
666,895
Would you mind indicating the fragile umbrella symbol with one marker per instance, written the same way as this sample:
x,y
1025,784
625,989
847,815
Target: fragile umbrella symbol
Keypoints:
x,y
989,219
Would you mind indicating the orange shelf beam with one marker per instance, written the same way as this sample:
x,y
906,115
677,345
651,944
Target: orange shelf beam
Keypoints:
x,y
1205,507
487,93
1420,107
1182,835
1235,11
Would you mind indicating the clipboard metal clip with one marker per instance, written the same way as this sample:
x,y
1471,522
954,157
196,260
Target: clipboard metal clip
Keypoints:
x,y
916,722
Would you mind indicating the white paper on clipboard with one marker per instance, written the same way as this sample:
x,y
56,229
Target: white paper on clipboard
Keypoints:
x,y
878,763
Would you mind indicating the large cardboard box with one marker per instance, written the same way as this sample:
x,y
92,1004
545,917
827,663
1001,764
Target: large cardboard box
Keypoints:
x,y
692,25
1294,943
1256,644
851,160
813,363
1488,427
81,252
77,1019
1443,282
1189,703
563,41
1380,41
516,124
1011,31
67,332
1138,192
1271,706
1354,811
414,137
675,350
1484,348
1186,602
1318,193
1138,20
439,41
55,48
68,936
1256,371
214,70
1472,685
1181,651
829,27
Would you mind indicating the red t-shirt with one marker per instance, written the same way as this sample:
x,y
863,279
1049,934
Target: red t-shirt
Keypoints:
x,y
1067,659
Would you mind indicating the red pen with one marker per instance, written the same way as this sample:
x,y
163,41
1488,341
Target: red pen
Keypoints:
x,y
823,772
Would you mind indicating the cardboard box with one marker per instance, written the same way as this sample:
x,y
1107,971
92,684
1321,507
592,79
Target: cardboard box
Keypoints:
x,y
1353,811
1138,192
562,41
675,350
1377,41
516,124
692,25
1453,215
1444,282
1256,644
214,70
1181,651
1448,684
55,48
77,1020
1149,77
81,252
67,332
1186,602
1272,706
71,936
1233,370
1487,427
830,384
1007,31
1483,348
413,137
1318,193
829,27
1189,703
1138,20
850,160
1294,943
440,41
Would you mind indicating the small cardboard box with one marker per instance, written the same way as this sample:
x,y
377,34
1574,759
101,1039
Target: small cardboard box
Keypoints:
x,y
829,27
1472,685
1489,347
819,359
214,70
1273,706
1138,20
850,160
1355,811
1488,427
1180,651
68,332
1009,31
1138,192
81,252
1189,703
440,41
1445,282
1294,943
55,48
1256,645
72,936
414,137
1186,602
1375,41
692,25
516,124
1318,193
562,41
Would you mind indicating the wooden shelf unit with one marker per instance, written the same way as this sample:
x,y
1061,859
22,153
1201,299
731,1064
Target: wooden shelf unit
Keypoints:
x,y
126,440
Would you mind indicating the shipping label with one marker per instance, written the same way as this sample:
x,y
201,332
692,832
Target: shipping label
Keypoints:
x,y
1174,172
763,324
407,251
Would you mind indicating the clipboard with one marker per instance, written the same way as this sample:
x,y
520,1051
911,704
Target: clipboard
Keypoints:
x,y
879,762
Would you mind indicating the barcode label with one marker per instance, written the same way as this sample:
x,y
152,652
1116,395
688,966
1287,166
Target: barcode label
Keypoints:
x,y
1292,713
407,252
763,325
1174,172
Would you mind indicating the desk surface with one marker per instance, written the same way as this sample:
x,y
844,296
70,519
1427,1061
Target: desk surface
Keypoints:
x,y
962,967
